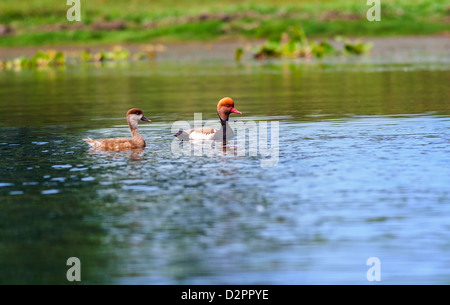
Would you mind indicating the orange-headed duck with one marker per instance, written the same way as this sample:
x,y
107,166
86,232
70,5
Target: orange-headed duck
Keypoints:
x,y
224,108
137,141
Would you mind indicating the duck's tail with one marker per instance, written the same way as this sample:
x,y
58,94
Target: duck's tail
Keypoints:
x,y
91,142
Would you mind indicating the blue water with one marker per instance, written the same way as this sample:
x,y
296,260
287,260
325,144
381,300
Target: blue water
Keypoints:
x,y
362,172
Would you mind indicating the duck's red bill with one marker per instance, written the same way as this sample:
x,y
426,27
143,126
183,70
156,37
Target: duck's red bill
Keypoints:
x,y
234,110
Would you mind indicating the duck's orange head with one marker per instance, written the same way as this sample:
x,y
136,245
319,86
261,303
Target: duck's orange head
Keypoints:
x,y
225,107
137,114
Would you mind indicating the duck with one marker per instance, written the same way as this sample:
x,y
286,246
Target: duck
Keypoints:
x,y
224,108
134,115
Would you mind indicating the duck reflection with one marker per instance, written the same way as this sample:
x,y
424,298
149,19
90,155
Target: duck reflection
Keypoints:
x,y
132,153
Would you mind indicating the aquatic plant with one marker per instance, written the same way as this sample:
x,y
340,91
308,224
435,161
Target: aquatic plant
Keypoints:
x,y
238,53
117,54
45,59
294,44
54,58
321,49
269,49
41,59
357,47
149,51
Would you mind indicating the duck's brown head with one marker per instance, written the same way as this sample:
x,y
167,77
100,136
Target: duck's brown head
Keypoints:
x,y
225,107
136,114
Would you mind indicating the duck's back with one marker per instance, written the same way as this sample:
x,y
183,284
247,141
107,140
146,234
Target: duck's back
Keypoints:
x,y
116,144
205,133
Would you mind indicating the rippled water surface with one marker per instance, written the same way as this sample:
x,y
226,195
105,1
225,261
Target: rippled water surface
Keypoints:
x,y
363,171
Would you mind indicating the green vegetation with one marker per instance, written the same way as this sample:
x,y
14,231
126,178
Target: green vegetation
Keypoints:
x,y
117,54
294,44
358,47
43,22
39,60
238,54
52,58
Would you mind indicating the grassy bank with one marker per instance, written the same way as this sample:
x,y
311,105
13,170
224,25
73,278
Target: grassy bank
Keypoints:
x,y
43,22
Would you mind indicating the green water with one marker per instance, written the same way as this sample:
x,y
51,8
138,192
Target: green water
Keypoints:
x,y
363,171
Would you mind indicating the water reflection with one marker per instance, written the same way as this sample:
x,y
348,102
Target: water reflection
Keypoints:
x,y
132,153
176,92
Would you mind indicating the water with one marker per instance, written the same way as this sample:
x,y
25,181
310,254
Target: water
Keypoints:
x,y
363,171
